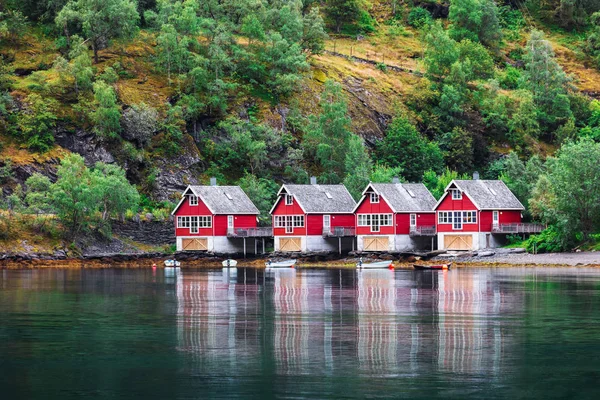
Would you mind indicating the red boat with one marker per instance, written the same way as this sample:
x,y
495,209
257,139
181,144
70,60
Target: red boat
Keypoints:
x,y
432,267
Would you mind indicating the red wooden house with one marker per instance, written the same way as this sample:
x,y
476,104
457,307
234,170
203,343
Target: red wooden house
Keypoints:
x,y
220,219
475,214
395,217
313,218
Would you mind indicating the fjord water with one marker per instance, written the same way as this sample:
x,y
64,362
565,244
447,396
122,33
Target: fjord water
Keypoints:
x,y
135,334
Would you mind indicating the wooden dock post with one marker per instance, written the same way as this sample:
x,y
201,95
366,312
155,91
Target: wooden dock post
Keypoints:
x,y
244,248
340,244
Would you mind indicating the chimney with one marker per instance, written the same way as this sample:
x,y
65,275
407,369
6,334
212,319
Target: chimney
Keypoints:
x,y
395,180
213,181
475,175
313,180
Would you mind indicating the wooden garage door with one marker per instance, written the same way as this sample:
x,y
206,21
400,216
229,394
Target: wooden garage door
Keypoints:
x,y
376,243
290,244
195,244
458,242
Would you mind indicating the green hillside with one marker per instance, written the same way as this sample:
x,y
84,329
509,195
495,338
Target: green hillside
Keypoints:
x,y
259,92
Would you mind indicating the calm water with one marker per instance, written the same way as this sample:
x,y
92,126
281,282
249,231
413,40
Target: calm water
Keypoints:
x,y
506,333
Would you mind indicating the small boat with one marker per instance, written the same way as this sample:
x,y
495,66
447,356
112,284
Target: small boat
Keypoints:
x,y
375,265
229,263
280,264
172,264
432,267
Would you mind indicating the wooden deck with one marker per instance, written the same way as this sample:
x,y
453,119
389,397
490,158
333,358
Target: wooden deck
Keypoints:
x,y
518,228
339,231
428,230
261,232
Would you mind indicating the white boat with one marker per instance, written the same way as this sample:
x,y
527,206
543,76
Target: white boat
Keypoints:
x,y
374,265
229,263
172,264
280,264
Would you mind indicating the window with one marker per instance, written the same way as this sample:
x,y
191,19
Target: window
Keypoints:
x,y
280,221
456,194
205,222
457,220
328,195
326,221
495,217
298,221
289,199
194,225
374,198
183,222
375,220
193,200
444,217
469,217
230,221
413,219
289,222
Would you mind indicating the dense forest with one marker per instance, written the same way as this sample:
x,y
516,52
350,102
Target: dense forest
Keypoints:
x,y
109,108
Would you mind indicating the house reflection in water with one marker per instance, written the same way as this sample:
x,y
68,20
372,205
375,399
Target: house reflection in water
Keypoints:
x,y
303,322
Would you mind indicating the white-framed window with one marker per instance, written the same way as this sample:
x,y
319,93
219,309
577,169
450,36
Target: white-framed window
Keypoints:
x,y
183,222
298,221
205,221
413,219
289,221
457,220
375,221
326,221
280,221
194,225
193,200
374,198
469,217
230,222
495,217
456,194
444,217
289,199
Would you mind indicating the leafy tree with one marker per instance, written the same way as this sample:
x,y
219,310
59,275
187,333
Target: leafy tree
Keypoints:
x,y
262,192
573,185
458,149
81,65
419,17
476,20
36,121
385,174
107,114
358,166
314,34
140,123
404,147
12,24
437,183
593,39
343,12
547,81
100,20
328,135
521,177
113,192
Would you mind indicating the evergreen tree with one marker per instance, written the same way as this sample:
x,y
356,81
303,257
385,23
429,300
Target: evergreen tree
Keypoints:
x,y
107,114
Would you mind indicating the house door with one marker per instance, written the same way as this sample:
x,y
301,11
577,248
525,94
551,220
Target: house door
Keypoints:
x,y
230,224
413,222
458,242
326,223
376,243
194,244
495,219
290,244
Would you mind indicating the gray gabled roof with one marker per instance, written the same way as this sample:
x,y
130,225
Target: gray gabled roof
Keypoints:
x,y
405,197
488,194
321,199
224,199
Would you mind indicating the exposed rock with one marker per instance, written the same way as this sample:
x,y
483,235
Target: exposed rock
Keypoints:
x,y
153,233
86,144
485,253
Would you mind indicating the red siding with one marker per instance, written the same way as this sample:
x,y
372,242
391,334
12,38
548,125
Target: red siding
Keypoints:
x,y
509,217
485,221
314,224
403,224
366,207
426,219
282,209
244,221
457,205
344,220
219,222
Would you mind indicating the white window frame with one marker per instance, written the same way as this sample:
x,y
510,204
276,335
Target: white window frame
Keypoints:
x,y
472,215
456,194
194,224
230,222
327,221
374,198
457,221
413,220
444,217
495,218
289,200
205,221
193,200
183,222
375,221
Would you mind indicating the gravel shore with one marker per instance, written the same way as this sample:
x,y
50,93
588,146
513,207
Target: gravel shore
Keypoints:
x,y
502,257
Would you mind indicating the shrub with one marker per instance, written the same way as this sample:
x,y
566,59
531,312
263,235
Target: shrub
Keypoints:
x,y
510,78
382,67
140,123
419,17
548,241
